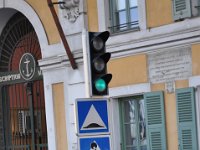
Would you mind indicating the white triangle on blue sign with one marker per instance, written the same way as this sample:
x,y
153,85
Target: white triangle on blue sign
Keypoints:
x,y
93,120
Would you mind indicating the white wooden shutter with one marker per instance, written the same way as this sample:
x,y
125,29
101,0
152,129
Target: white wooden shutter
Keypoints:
x,y
182,9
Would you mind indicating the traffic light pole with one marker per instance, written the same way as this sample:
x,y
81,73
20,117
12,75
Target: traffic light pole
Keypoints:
x,y
85,62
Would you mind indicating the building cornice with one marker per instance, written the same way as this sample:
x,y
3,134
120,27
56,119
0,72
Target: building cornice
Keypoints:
x,y
144,41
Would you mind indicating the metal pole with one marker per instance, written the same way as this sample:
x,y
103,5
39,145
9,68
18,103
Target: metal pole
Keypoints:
x,y
85,61
29,89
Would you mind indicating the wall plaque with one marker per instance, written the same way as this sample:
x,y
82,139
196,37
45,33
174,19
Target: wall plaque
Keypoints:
x,y
170,65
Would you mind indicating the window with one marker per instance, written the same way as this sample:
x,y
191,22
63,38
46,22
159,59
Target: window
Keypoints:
x,y
140,131
185,9
133,124
124,15
24,121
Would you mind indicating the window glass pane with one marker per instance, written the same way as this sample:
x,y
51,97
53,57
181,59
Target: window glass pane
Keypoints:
x,y
125,15
121,20
121,4
142,124
130,123
134,16
129,115
133,3
143,147
131,134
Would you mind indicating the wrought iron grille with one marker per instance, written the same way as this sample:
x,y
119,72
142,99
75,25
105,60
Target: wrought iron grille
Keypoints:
x,y
22,105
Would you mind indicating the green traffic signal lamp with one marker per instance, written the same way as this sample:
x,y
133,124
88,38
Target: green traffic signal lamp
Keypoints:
x,y
102,83
98,59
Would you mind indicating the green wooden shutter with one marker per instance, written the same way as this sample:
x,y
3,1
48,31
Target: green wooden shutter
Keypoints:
x,y
182,9
156,133
185,103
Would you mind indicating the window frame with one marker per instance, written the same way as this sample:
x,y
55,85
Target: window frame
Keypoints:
x,y
104,18
195,82
123,123
114,22
115,94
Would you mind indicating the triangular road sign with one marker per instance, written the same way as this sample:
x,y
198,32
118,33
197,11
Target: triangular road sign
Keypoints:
x,y
93,120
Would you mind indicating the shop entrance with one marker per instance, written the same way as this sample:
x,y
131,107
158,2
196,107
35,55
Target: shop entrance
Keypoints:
x,y
22,103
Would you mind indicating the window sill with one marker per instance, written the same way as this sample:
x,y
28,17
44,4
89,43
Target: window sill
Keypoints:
x,y
119,32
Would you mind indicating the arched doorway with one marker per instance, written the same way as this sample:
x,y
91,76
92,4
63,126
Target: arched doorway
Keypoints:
x,y
22,113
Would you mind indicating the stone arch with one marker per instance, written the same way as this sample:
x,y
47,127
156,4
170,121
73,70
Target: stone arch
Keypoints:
x,y
12,6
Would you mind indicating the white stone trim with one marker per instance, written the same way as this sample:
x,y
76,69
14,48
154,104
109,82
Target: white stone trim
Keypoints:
x,y
127,43
142,14
49,110
1,3
129,90
101,9
194,81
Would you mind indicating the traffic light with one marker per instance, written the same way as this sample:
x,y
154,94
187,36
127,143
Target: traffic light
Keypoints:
x,y
98,62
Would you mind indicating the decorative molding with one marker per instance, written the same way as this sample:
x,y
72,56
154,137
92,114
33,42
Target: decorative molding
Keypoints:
x,y
71,9
146,41
194,81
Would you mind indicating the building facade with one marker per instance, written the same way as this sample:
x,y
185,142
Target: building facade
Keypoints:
x,y
155,90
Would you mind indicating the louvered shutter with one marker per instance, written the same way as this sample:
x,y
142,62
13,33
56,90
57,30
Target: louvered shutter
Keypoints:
x,y
156,133
185,103
182,9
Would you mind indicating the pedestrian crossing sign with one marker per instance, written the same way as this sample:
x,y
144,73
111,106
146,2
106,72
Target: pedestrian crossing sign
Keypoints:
x,y
92,116
94,143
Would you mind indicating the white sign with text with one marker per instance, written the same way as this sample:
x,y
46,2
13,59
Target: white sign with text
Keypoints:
x,y
170,65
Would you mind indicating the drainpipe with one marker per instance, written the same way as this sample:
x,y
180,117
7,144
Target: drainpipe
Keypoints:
x,y
61,32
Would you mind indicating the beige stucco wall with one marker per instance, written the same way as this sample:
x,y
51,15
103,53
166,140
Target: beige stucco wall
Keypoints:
x,y
158,12
92,15
128,70
59,114
44,13
196,59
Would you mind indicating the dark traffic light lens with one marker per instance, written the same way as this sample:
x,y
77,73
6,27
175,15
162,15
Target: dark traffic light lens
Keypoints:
x,y
98,43
99,64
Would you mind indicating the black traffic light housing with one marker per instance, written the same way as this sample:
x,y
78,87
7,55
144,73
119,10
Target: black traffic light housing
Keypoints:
x,y
98,58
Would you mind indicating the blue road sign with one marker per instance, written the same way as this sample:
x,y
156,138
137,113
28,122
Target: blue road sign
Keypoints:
x,y
94,143
92,116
